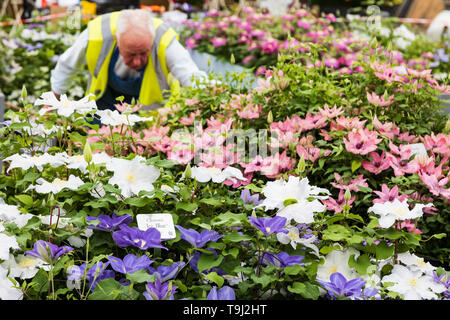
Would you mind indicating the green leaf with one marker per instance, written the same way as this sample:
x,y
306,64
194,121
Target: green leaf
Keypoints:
x,y
305,289
25,199
355,165
373,223
212,202
214,277
208,261
383,251
106,289
229,219
236,237
137,202
140,276
186,206
264,279
293,270
336,232
361,264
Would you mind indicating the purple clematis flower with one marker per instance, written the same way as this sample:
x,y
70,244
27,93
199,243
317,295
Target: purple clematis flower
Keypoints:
x,y
282,259
96,273
164,273
133,236
198,240
248,198
269,225
130,263
48,252
108,223
224,293
159,291
339,287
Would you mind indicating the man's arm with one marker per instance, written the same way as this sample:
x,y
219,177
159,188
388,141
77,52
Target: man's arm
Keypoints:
x,y
181,65
68,63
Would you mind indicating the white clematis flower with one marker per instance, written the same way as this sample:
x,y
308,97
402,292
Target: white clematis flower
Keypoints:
x,y
337,261
23,266
6,243
10,213
132,176
115,118
413,284
392,211
292,198
26,162
7,290
217,175
416,263
57,185
65,107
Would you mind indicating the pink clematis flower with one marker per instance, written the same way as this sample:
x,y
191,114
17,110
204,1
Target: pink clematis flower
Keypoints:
x,y
279,163
361,141
256,164
337,205
379,101
348,184
436,186
388,129
191,43
250,111
379,163
402,164
218,41
164,145
190,119
346,123
239,183
387,194
439,143
122,107
409,225
331,63
331,113
279,139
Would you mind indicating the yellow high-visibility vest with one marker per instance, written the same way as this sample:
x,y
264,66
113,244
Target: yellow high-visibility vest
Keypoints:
x,y
101,46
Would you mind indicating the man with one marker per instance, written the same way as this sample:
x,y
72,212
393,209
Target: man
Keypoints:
x,y
128,53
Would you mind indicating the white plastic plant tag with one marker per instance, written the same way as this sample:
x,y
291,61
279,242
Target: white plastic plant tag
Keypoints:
x,y
163,222
418,149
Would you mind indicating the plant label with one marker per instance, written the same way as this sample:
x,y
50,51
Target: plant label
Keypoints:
x,y
163,222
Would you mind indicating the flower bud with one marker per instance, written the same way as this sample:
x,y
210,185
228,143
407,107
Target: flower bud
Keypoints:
x,y
270,117
232,59
187,171
24,92
347,195
87,152
447,127
301,164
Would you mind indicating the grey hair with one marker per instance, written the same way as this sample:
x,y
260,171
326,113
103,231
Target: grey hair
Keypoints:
x,y
134,18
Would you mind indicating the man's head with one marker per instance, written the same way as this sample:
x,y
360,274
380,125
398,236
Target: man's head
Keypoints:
x,y
134,35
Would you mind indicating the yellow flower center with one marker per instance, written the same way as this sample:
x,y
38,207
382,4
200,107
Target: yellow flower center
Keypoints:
x,y
413,282
27,263
332,269
400,211
66,104
293,235
130,177
59,182
267,229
